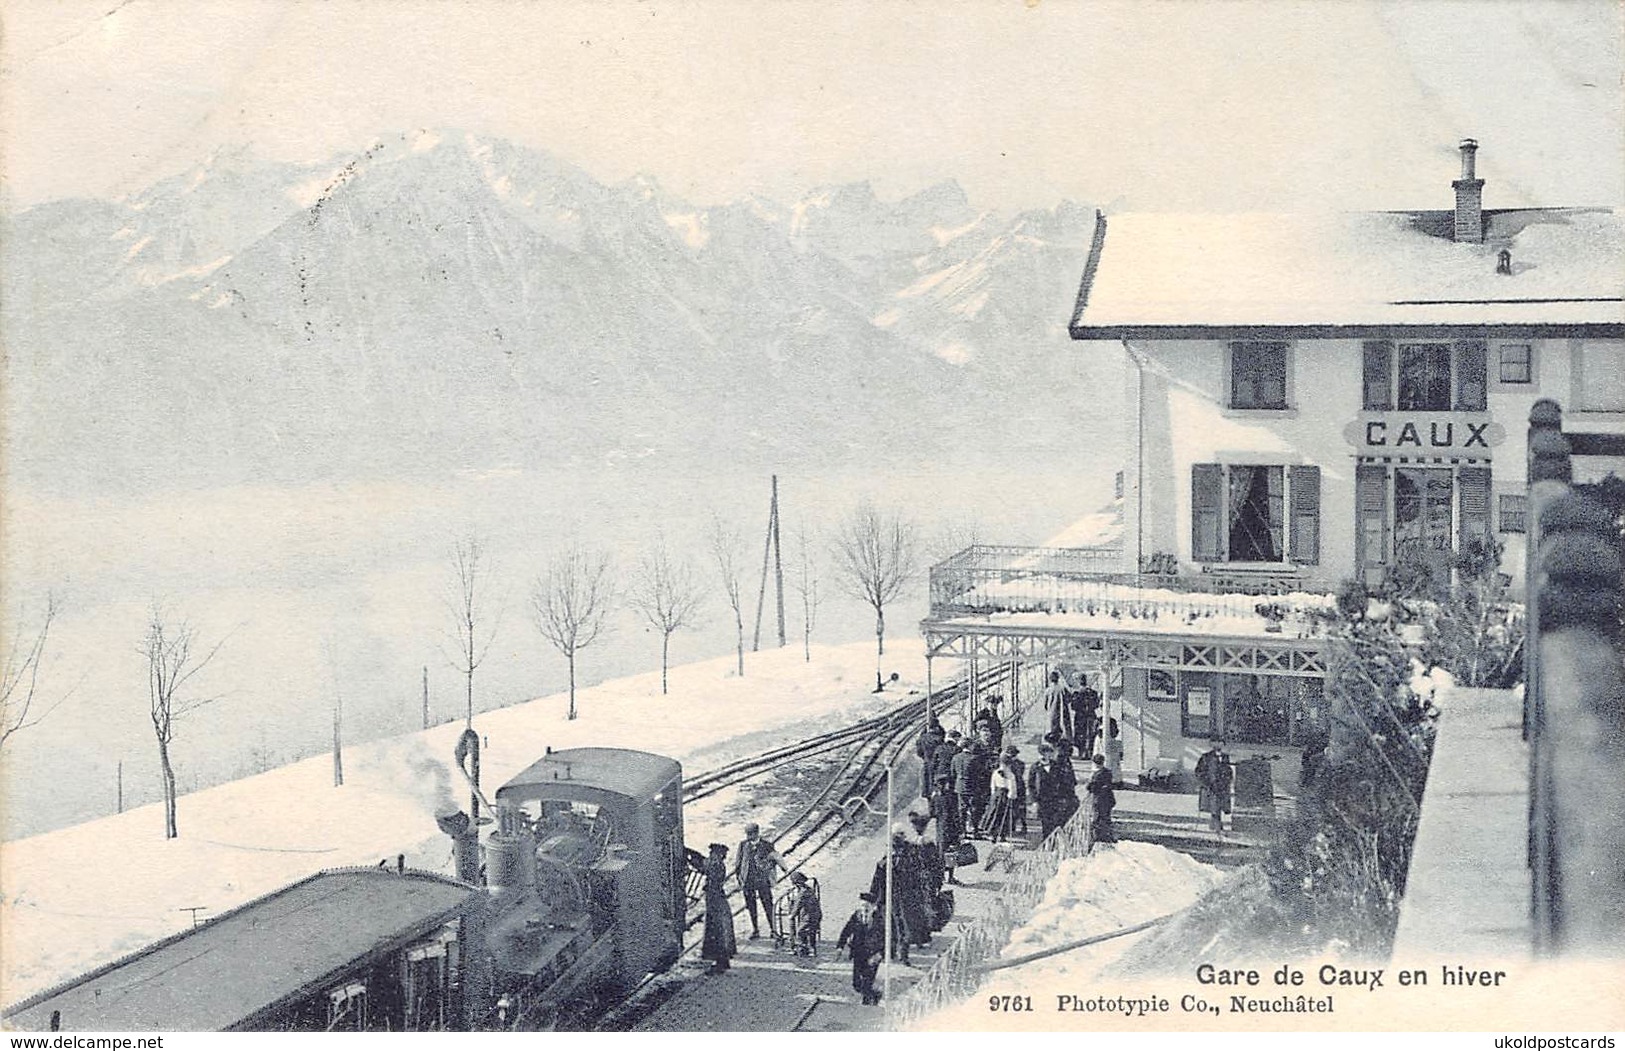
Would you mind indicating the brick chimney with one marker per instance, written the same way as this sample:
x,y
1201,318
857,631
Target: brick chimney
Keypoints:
x,y
1469,225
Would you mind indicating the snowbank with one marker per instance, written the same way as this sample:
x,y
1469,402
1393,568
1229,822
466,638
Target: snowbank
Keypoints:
x,y
1115,887
78,897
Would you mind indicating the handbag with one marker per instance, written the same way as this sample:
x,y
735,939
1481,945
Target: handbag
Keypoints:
x,y
965,854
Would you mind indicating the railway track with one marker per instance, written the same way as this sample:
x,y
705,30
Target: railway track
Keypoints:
x,y
876,745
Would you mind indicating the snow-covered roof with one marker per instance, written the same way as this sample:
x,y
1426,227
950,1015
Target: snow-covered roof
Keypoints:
x,y
237,967
619,771
1195,276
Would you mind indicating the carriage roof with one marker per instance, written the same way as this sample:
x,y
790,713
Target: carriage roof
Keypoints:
x,y
236,967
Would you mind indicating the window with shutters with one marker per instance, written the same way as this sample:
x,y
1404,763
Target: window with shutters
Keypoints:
x,y
1379,375
1258,373
1514,513
1421,377
1250,513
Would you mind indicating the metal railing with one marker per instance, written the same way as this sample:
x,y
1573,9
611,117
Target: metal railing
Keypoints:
x,y
988,578
959,971
1574,697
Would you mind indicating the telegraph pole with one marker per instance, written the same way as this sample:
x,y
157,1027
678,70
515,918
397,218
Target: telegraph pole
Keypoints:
x,y
771,552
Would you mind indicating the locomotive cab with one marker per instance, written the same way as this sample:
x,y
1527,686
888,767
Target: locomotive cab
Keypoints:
x,y
586,876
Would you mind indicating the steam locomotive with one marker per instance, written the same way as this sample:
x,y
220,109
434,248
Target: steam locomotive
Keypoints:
x,y
580,894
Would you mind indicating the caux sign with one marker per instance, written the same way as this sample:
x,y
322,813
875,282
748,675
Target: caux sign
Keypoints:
x,y
1422,432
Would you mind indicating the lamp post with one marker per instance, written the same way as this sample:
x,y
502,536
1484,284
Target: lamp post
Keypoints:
x,y
846,807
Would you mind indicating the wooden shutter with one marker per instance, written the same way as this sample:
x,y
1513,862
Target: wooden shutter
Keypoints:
x,y
1371,521
1475,503
1305,500
1207,507
1471,375
1379,375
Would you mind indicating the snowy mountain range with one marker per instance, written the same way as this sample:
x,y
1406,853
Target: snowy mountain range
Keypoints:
x,y
441,300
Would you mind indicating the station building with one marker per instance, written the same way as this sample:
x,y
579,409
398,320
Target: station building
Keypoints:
x,y
1312,399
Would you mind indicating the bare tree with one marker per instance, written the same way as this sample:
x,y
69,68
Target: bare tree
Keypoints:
x,y
875,556
338,713
571,604
725,548
665,592
954,536
806,585
19,674
338,739
173,658
474,626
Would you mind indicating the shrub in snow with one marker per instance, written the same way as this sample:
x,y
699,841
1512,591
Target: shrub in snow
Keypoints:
x,y
1476,634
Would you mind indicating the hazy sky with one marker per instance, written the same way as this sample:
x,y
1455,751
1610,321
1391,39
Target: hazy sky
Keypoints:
x,y
1258,104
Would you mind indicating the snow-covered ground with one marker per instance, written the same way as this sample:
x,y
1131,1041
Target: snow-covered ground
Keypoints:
x,y
78,897
1114,887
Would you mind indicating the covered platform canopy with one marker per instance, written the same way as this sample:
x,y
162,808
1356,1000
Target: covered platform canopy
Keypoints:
x,y
1050,639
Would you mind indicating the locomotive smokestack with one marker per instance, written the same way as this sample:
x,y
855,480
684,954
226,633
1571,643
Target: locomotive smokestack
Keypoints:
x,y
465,844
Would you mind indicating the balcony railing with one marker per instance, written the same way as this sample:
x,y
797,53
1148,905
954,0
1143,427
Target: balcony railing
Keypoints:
x,y
1098,582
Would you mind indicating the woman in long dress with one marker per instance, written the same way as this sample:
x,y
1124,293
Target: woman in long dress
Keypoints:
x,y
1000,820
719,944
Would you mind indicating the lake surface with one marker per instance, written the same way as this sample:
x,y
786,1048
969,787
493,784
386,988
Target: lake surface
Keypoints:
x,y
338,590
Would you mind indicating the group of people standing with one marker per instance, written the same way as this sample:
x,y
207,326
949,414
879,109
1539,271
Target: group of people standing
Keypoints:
x,y
973,786
756,866
1075,716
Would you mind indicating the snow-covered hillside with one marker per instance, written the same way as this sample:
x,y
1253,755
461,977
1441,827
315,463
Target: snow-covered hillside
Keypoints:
x,y
81,896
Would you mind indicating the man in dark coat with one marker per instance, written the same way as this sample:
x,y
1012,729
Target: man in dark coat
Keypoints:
x,y
866,938
1214,775
930,740
754,866
718,944
1053,788
1057,707
1102,800
946,813
909,922
972,783
942,760
1086,718
991,729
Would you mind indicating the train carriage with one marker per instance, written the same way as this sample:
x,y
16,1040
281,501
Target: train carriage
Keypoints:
x,y
364,948
576,896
